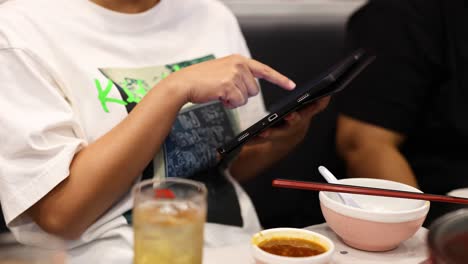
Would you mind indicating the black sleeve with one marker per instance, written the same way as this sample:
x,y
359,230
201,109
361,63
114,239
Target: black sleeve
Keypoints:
x,y
405,37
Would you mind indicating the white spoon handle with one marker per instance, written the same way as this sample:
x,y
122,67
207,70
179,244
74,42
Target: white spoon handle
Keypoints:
x,y
346,198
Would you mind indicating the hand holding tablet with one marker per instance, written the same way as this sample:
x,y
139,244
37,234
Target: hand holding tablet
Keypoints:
x,y
329,83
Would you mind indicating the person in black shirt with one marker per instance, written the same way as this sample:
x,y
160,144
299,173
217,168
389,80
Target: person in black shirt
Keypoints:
x,y
406,117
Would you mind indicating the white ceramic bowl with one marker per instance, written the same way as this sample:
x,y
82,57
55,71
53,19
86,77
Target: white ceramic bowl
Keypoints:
x,y
463,192
263,257
382,223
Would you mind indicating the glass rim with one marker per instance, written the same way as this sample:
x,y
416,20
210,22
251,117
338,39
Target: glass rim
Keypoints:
x,y
145,183
438,224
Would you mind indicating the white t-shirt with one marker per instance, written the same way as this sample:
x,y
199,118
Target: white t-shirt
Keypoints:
x,y
61,65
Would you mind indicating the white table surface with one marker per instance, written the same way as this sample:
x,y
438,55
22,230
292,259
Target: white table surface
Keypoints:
x,y
412,251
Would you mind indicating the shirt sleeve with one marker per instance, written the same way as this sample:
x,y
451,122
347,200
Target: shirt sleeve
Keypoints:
x,y
254,110
392,91
38,134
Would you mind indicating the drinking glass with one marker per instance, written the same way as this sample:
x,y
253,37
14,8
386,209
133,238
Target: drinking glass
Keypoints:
x,y
168,221
12,252
448,238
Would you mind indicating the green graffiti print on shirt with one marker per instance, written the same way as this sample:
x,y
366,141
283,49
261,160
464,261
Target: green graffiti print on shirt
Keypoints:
x,y
134,95
102,95
134,83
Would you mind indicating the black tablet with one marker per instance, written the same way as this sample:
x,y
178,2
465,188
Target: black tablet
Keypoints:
x,y
330,82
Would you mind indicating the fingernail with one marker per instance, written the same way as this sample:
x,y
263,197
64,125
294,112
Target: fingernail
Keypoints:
x,y
291,84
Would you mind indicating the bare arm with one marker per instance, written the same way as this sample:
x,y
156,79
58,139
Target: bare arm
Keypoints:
x,y
372,152
275,143
101,173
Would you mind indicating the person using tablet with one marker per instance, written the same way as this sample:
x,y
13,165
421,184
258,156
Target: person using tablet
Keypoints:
x,y
99,94
404,119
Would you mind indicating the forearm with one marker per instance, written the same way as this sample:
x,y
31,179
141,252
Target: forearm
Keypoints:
x,y
256,158
275,144
104,171
379,161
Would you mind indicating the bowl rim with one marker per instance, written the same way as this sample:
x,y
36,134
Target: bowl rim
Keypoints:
x,y
375,216
260,253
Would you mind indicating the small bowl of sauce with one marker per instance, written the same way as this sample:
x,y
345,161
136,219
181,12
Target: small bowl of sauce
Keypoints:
x,y
291,245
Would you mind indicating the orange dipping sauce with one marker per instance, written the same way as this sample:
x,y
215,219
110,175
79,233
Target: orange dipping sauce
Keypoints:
x,y
291,247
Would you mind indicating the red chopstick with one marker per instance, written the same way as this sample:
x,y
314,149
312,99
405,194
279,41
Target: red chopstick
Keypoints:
x,y
342,188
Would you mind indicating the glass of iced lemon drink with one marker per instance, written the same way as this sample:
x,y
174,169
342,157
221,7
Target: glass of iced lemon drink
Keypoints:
x,y
168,220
